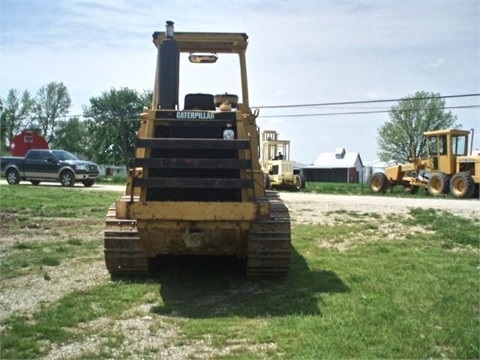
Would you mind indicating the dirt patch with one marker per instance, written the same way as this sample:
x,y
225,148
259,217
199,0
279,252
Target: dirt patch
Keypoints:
x,y
141,333
16,228
26,294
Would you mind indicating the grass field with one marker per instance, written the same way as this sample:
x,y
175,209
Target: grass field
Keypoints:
x,y
356,290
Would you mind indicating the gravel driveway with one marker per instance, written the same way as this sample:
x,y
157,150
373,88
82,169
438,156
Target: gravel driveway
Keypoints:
x,y
305,207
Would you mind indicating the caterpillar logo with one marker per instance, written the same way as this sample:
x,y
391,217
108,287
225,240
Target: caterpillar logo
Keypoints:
x,y
198,115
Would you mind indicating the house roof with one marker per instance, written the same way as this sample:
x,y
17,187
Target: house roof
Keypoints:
x,y
338,159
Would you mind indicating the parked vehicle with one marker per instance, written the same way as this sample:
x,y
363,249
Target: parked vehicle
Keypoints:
x,y
48,165
279,170
447,167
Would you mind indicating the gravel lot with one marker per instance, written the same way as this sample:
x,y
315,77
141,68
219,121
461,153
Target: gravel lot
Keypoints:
x,y
307,207
298,202
26,294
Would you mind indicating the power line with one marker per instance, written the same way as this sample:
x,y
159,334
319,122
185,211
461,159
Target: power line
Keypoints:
x,y
333,113
364,112
363,101
346,103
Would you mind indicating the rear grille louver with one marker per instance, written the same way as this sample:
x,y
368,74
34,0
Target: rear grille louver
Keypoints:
x,y
190,161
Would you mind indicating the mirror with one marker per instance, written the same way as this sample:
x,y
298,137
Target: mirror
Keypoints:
x,y
203,58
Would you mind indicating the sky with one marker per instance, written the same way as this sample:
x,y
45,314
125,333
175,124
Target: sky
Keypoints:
x,y
299,52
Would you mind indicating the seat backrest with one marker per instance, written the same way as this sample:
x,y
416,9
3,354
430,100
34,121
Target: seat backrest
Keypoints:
x,y
199,102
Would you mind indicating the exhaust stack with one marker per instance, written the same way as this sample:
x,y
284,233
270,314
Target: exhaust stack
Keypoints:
x,y
168,69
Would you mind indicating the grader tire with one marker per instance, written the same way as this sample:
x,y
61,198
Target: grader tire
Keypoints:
x,y
462,185
438,184
379,183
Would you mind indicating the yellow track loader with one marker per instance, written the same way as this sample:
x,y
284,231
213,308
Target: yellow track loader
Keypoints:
x,y
196,187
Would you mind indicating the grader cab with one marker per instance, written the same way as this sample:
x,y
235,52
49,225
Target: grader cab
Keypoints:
x,y
447,168
197,187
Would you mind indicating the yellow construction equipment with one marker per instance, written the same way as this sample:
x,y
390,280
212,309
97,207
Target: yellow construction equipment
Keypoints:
x,y
276,163
197,187
448,167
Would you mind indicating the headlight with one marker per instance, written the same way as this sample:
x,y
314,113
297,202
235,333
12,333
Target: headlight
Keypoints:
x,y
228,134
81,167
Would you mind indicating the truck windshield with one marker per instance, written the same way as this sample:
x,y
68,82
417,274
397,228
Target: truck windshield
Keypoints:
x,y
63,155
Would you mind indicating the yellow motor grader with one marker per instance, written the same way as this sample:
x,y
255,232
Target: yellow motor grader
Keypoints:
x,y
447,168
196,187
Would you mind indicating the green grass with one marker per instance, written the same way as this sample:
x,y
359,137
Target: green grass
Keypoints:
x,y
34,257
337,188
67,221
363,189
55,201
413,296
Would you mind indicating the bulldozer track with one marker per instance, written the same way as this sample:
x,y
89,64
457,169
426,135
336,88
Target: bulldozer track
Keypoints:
x,y
269,248
269,243
124,253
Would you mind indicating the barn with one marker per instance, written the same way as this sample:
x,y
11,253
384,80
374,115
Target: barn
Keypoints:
x,y
337,166
26,140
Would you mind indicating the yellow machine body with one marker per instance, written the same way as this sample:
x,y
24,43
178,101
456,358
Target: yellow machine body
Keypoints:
x,y
279,169
448,168
197,187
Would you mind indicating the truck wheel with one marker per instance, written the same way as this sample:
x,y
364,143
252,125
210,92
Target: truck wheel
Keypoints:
x,y
462,185
67,178
35,182
438,184
88,182
379,183
13,177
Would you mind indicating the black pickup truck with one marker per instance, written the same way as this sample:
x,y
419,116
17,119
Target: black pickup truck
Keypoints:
x,y
48,165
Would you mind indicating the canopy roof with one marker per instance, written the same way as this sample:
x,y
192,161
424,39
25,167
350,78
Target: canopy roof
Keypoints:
x,y
447,131
197,42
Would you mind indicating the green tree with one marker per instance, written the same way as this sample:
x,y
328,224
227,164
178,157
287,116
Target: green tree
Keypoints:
x,y
402,135
15,116
71,135
53,102
113,120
